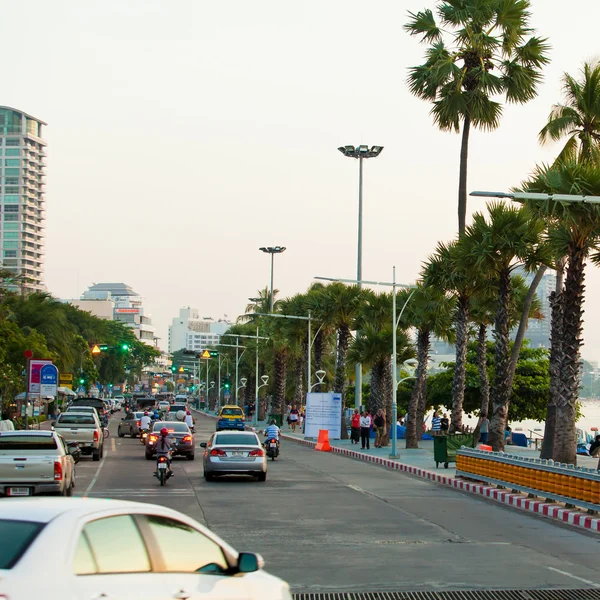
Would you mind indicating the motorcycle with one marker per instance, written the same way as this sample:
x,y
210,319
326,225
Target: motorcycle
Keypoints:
x,y
272,447
74,451
162,469
143,435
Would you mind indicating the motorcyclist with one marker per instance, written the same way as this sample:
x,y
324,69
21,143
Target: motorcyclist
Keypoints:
x,y
155,415
164,448
272,432
145,421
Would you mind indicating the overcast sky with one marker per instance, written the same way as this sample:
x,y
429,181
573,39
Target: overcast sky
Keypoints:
x,y
184,134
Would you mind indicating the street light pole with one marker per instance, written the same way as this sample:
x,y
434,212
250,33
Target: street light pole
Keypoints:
x,y
361,152
272,250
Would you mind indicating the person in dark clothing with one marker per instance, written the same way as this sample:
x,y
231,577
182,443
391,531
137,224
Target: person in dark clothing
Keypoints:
x,y
595,447
444,424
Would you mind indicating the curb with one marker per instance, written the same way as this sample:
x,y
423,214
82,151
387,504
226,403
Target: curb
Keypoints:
x,y
521,501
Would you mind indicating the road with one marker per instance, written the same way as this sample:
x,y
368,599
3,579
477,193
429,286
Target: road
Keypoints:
x,y
329,523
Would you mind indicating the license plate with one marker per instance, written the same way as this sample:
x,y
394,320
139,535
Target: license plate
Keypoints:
x,y
237,454
273,445
19,491
162,465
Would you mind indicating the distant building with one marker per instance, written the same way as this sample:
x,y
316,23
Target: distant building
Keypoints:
x,y
538,330
23,179
103,309
191,332
128,307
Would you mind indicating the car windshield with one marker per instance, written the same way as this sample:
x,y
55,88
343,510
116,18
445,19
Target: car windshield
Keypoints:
x,y
27,442
21,534
75,419
232,412
172,427
139,415
237,439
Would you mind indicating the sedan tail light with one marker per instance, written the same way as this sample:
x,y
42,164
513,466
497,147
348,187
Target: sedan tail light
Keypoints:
x,y
162,459
58,470
186,438
139,423
257,453
217,452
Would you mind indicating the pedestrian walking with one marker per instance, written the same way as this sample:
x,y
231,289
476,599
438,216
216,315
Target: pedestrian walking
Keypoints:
x,y
436,423
379,422
444,424
355,427
484,428
294,413
365,430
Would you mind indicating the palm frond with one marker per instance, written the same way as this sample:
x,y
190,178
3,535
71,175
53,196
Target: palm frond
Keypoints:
x,y
423,24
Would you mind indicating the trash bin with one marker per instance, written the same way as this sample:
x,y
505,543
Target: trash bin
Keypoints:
x,y
445,447
278,419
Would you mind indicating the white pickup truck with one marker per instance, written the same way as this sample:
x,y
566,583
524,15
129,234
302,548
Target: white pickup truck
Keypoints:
x,y
83,428
35,462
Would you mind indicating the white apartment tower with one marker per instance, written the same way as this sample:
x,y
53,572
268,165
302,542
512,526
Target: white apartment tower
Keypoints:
x,y
22,190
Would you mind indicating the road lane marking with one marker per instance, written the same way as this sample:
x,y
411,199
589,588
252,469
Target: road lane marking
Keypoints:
x,y
113,445
93,482
596,585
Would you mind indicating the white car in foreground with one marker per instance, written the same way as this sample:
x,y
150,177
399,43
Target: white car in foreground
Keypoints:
x,y
80,548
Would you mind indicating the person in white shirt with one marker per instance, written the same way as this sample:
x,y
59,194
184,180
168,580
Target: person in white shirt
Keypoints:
x,y
145,421
365,429
189,420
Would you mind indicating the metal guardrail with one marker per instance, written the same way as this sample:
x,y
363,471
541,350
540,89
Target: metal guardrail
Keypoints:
x,y
556,481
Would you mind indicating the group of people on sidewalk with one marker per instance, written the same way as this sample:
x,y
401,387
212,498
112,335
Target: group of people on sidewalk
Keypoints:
x,y
294,417
361,425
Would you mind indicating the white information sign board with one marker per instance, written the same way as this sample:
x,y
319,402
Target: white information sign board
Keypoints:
x,y
324,411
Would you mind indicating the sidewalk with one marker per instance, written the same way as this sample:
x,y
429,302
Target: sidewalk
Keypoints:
x,y
419,462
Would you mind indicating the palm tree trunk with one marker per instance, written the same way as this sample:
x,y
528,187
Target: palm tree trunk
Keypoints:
x,y
501,389
413,431
556,325
565,436
339,383
280,368
460,366
516,349
462,181
388,399
299,368
484,382
375,397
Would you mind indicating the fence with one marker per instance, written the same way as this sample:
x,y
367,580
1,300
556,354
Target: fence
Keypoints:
x,y
556,481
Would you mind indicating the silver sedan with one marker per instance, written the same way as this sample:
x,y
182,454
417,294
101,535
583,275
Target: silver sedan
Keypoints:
x,y
234,453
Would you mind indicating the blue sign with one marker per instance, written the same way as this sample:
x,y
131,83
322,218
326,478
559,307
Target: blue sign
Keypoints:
x,y
49,375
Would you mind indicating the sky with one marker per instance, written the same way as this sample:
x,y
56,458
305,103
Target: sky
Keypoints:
x,y
185,134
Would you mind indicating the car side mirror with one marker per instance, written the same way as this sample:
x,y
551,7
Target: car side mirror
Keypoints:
x,y
203,445
248,562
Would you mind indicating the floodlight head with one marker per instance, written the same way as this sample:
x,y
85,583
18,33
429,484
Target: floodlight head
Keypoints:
x,y
376,150
411,362
320,372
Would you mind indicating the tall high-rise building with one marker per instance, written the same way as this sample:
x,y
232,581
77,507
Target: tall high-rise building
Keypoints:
x,y
22,190
191,332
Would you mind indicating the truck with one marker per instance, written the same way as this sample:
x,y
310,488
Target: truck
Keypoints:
x,y
34,463
83,428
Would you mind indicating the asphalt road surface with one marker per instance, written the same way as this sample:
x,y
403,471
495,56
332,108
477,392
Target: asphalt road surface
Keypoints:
x,y
329,523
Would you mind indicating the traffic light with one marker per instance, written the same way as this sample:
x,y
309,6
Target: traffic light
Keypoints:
x,y
214,353
125,346
81,380
173,368
103,347
227,384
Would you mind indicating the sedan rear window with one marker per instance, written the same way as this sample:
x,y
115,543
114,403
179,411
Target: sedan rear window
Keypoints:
x,y
75,419
17,536
237,439
172,427
27,442
232,412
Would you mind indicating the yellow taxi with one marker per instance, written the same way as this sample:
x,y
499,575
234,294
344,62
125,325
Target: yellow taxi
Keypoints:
x,y
231,417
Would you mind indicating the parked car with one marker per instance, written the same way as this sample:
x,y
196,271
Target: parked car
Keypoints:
x,y
180,435
234,453
32,463
96,548
130,424
83,428
231,417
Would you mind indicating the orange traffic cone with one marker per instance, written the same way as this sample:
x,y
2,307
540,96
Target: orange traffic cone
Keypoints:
x,y
323,441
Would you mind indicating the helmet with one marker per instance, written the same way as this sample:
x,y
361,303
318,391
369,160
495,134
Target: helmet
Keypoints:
x,y
188,412
145,413
164,432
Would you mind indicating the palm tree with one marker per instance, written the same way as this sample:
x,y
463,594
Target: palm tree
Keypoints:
x,y
578,118
575,235
510,238
430,312
339,306
452,269
260,304
473,39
